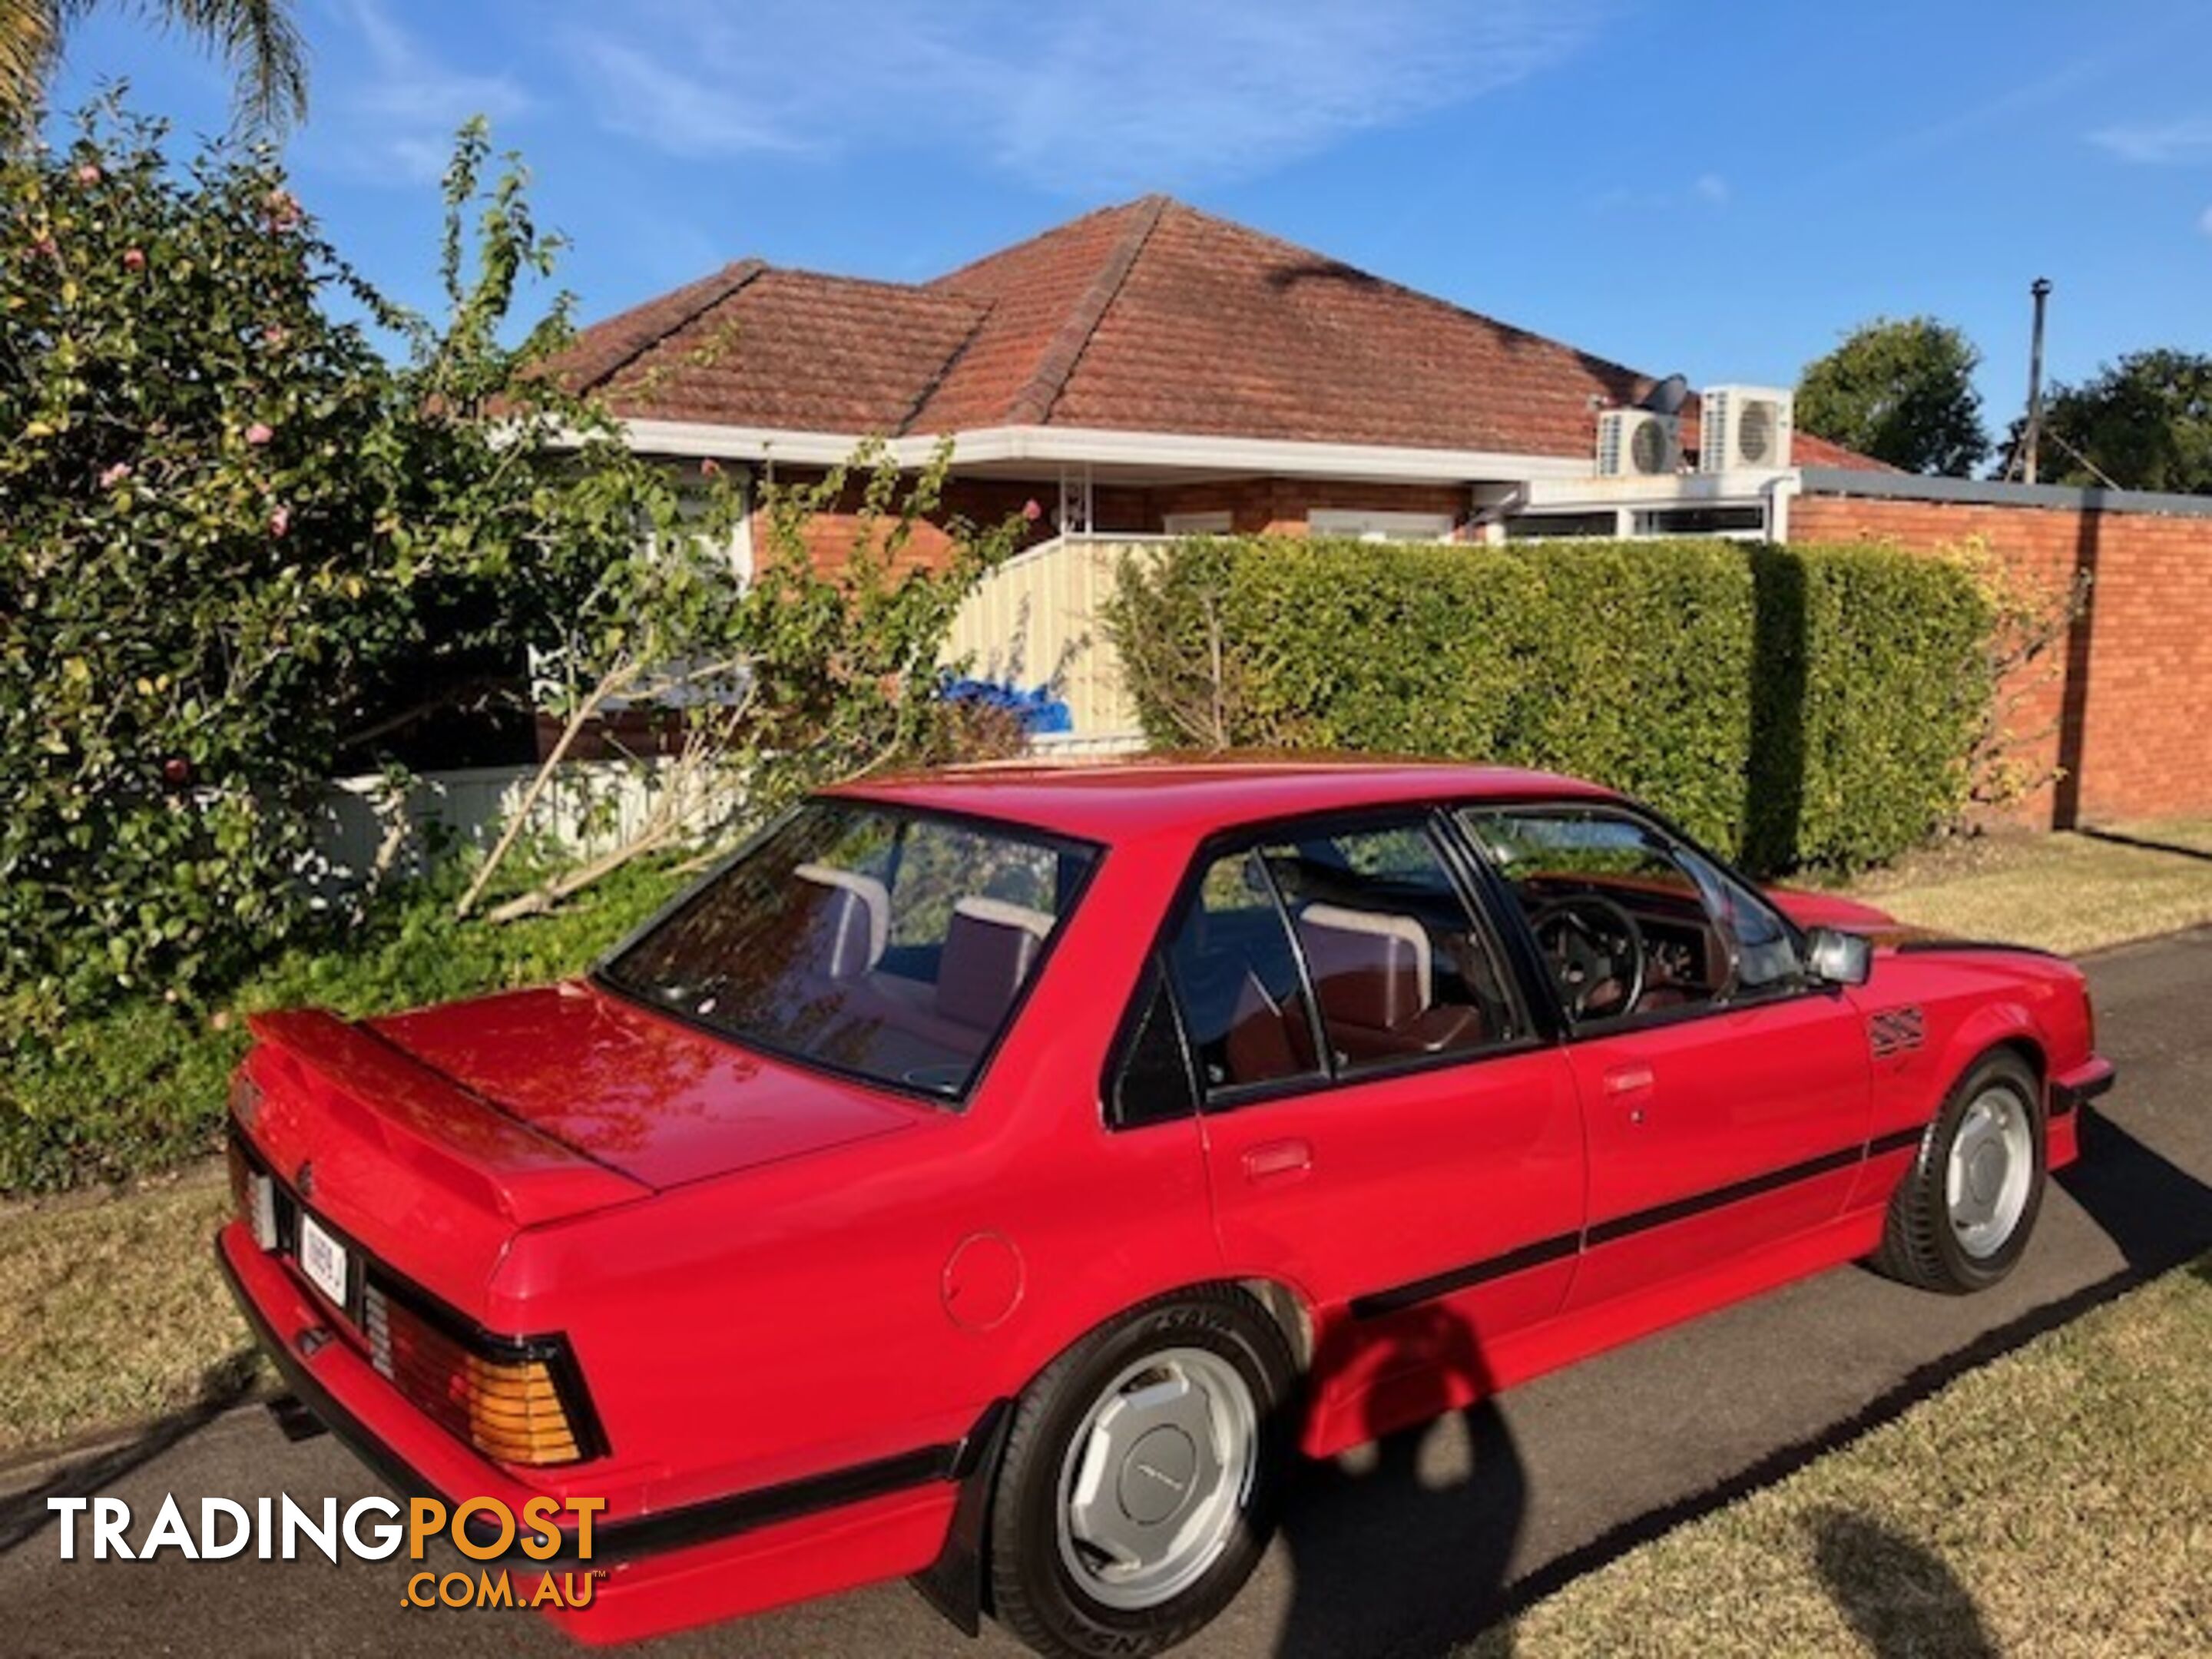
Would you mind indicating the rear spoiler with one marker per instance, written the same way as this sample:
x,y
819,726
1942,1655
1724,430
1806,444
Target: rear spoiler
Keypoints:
x,y
447,1134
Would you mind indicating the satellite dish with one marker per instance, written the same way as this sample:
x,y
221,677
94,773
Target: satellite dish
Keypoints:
x,y
1668,396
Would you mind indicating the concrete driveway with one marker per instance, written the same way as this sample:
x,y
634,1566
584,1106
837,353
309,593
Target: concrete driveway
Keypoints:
x,y
1400,1549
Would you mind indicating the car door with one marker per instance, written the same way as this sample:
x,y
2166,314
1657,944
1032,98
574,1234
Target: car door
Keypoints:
x,y
1725,1109
1381,1127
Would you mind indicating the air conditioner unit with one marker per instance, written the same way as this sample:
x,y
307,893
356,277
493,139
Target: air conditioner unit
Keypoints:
x,y
1637,443
1743,428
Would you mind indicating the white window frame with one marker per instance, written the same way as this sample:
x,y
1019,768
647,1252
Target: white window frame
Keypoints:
x,y
1365,525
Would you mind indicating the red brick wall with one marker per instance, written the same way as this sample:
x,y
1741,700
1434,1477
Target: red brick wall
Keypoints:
x,y
1256,507
2132,711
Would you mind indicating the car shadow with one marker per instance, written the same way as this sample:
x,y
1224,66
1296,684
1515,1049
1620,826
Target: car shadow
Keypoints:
x,y
1383,1558
1899,1598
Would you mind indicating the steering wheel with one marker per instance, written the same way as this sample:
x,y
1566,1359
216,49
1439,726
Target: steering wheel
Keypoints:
x,y
1596,954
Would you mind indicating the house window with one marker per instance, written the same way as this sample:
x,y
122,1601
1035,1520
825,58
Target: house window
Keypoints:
x,y
1360,525
1538,526
1196,524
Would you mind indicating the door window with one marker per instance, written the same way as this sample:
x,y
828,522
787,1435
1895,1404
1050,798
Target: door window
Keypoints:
x,y
1239,982
1357,938
1629,922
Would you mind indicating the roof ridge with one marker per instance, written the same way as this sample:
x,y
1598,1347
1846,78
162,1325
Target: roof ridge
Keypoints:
x,y
1434,301
920,399
1033,403
948,281
711,290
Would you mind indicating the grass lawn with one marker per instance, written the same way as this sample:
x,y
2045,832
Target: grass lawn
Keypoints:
x,y
2058,1501
112,1311
2067,892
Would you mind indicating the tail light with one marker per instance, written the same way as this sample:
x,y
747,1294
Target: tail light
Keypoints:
x,y
516,1403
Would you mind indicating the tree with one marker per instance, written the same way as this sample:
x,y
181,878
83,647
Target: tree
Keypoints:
x,y
1902,391
233,527
257,39
2144,422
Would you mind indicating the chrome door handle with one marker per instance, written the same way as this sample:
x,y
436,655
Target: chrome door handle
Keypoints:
x,y
1628,1080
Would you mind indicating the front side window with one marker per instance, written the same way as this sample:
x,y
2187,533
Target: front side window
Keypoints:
x,y
1333,951
1628,922
890,945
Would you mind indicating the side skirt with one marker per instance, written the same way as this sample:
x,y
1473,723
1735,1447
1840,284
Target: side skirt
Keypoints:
x,y
1346,1420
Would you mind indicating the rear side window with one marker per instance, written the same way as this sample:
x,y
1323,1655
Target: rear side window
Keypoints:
x,y
1398,966
1238,981
1152,1081
1337,951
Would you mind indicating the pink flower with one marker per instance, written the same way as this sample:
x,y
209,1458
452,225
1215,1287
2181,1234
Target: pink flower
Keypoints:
x,y
280,521
88,174
134,259
47,246
1032,511
115,475
709,467
283,210
260,434
275,335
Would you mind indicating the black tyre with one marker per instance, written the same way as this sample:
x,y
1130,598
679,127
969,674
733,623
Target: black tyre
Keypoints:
x,y
1961,1218
1141,1476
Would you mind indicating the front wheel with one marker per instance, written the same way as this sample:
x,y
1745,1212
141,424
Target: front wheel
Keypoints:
x,y
1140,1477
1961,1220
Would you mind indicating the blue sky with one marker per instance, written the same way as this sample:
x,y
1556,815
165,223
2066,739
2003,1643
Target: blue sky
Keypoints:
x,y
1713,188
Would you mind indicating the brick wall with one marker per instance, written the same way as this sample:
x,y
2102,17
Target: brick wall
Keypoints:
x,y
1255,507
2130,716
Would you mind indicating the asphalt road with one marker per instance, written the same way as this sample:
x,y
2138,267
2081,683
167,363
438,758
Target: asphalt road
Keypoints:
x,y
1400,1549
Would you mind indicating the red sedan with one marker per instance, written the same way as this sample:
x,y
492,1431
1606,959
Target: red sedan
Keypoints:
x,y
999,1176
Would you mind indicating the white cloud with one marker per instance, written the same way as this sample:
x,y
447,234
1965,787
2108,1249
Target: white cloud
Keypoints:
x,y
2189,138
2204,221
1711,187
1109,93
392,106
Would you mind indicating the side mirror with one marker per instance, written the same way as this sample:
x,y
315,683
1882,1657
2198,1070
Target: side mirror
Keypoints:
x,y
1835,957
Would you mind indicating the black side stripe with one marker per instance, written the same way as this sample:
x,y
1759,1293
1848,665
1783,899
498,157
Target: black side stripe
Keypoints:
x,y
1544,1251
1458,1279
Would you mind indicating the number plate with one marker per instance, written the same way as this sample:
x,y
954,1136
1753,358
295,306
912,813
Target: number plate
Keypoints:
x,y
323,1259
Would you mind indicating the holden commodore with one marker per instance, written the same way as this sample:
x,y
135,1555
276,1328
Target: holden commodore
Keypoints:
x,y
999,1176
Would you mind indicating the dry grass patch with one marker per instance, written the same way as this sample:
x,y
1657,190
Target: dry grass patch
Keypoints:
x,y
113,1312
2056,1502
2068,893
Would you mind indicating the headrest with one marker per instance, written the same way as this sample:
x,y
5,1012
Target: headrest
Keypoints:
x,y
989,949
850,924
1369,968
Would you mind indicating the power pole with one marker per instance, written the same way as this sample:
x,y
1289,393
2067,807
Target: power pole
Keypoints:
x,y
2040,288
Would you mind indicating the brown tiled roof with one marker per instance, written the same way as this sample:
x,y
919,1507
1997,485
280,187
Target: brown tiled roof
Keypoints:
x,y
1148,317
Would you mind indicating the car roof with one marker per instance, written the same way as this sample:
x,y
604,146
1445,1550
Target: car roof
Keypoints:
x,y
1132,798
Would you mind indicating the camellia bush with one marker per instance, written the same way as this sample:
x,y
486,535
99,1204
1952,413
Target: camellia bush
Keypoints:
x,y
234,535
1793,705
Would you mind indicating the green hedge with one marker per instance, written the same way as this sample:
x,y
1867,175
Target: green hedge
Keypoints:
x,y
1796,706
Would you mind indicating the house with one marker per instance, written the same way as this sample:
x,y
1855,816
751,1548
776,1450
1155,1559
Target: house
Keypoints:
x,y
1148,369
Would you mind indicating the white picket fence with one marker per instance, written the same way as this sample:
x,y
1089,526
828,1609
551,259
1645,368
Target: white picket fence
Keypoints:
x,y
590,807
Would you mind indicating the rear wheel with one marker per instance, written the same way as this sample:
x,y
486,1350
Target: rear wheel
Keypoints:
x,y
1961,1220
1140,1477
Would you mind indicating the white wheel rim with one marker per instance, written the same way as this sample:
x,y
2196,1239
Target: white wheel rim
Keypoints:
x,y
1156,1477
1991,1171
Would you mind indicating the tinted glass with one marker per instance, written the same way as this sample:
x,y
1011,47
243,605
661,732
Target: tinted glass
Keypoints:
x,y
891,944
1399,968
1153,1081
1236,978
1629,922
